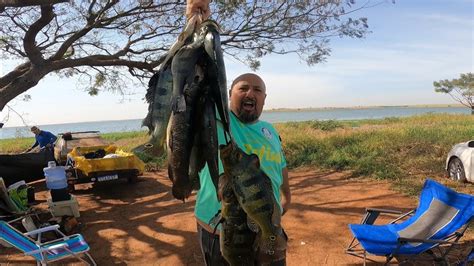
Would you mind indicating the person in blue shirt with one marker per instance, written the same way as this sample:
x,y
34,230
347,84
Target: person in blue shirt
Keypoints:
x,y
44,139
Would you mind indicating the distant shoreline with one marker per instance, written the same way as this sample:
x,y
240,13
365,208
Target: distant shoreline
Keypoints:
x,y
306,109
277,110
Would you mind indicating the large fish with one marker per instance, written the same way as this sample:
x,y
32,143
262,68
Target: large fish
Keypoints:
x,y
199,88
236,239
209,140
186,90
158,96
215,71
254,193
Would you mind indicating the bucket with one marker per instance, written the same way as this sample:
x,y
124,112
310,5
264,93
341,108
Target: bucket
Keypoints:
x,y
55,176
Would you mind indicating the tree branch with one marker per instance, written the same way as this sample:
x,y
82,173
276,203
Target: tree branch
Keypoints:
x,y
29,42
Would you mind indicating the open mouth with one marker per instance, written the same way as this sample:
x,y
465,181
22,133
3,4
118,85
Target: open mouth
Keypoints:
x,y
248,105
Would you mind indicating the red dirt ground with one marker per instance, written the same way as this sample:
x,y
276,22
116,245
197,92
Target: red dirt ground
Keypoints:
x,y
141,224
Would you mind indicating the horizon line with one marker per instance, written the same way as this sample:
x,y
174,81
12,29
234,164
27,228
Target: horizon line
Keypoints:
x,y
278,109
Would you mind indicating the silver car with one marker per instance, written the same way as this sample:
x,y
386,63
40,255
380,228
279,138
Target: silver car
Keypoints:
x,y
460,162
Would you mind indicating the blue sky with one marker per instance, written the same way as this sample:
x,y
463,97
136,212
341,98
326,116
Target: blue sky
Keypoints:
x,y
412,44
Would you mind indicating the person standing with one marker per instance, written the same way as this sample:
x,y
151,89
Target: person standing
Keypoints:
x,y
247,98
44,139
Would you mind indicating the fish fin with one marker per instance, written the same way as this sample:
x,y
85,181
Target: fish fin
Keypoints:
x,y
150,97
146,122
150,92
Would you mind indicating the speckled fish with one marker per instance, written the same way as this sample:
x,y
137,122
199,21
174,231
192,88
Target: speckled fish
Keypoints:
x,y
236,239
158,96
253,190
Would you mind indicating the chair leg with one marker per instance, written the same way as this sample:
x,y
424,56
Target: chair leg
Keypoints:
x,y
93,263
365,257
389,258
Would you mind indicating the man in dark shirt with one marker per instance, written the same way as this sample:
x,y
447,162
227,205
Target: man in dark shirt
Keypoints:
x,y
44,139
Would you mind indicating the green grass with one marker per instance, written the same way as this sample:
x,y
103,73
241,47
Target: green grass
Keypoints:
x,y
404,151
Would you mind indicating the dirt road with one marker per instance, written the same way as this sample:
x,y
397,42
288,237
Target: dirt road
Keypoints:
x,y
141,224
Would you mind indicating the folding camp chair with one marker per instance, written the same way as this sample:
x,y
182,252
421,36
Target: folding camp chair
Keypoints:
x,y
442,217
61,248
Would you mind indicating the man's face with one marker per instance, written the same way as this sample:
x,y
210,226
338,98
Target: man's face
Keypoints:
x,y
35,131
247,97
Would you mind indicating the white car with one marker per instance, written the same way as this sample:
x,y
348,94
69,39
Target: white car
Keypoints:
x,y
460,162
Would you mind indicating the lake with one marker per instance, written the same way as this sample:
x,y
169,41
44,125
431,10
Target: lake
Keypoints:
x,y
270,116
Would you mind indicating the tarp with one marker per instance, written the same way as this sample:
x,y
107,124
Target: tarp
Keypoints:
x,y
122,161
24,166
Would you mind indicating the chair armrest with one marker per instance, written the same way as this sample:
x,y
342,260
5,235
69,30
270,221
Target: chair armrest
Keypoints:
x,y
382,210
42,249
42,230
419,240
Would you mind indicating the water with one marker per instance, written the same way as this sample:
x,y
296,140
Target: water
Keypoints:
x,y
273,117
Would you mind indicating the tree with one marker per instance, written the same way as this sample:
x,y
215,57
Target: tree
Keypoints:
x,y
23,3
99,40
461,89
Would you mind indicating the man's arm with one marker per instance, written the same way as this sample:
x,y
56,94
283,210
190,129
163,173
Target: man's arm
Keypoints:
x,y
32,147
285,191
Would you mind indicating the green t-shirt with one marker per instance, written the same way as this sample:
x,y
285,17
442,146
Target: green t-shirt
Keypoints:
x,y
259,138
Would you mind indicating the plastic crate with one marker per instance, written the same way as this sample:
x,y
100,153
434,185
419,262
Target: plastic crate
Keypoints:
x,y
64,208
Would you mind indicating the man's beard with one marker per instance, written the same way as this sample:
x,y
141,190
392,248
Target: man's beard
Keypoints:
x,y
247,117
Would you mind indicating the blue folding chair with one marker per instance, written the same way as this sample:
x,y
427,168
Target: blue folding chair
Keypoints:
x,y
61,248
441,219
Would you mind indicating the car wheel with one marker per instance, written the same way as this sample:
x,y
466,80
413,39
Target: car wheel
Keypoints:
x,y
456,170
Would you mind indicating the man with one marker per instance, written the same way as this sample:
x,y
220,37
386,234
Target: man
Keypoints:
x,y
247,98
44,139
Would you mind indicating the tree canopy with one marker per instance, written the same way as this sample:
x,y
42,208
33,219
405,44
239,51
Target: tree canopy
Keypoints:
x,y
461,89
100,40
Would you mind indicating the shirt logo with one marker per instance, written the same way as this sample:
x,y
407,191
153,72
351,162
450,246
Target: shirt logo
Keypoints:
x,y
267,133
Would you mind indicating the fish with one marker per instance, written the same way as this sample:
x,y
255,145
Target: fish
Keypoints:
x,y
209,140
254,193
199,88
180,134
216,74
158,96
205,146
197,161
236,239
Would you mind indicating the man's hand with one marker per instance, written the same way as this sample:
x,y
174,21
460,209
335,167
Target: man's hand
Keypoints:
x,y
285,191
198,6
49,145
285,204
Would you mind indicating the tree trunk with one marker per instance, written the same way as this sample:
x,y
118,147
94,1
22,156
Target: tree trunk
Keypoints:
x,y
472,110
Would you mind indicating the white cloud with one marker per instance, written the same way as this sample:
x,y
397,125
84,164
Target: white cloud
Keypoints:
x,y
442,18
